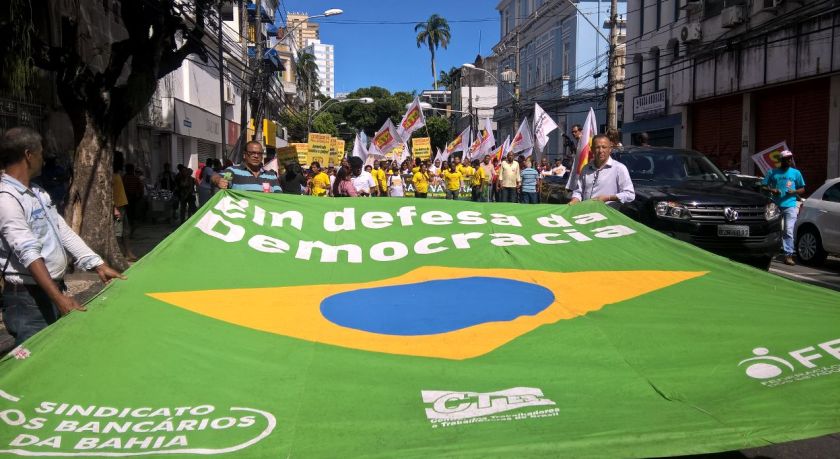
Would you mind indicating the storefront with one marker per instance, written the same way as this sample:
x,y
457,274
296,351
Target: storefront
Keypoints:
x,y
651,116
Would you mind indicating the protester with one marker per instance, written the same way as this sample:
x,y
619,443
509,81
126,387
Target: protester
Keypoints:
x,y
320,183
134,192
396,188
250,176
421,182
435,168
343,186
293,180
603,179
614,137
559,169
487,176
34,250
362,180
786,184
577,133
530,182
185,191
509,179
122,224
453,181
476,180
380,177
205,185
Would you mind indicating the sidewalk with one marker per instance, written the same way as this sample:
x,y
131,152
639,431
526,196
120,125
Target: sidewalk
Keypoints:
x,y
84,285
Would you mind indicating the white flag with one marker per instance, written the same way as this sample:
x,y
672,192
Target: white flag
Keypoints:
x,y
412,120
590,128
386,138
543,124
522,140
359,149
488,141
460,143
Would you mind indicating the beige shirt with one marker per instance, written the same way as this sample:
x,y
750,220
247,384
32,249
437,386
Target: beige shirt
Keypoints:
x,y
509,174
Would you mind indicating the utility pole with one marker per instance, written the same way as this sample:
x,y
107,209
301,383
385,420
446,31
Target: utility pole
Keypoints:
x,y
222,83
612,75
257,97
472,118
246,82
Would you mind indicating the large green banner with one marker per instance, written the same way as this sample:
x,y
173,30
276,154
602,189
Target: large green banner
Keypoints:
x,y
285,326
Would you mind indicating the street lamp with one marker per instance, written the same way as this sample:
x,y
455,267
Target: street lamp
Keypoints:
x,y
362,100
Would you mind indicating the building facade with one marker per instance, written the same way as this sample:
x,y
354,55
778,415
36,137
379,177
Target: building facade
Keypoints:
x,y
474,94
559,58
325,59
732,78
302,29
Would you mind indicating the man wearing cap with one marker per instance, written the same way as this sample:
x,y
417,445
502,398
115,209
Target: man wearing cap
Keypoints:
x,y
785,183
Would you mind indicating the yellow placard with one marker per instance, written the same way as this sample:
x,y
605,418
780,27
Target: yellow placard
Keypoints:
x,y
319,148
336,151
422,147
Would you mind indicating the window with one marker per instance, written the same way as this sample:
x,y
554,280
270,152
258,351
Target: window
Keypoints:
x,y
658,13
676,10
524,9
832,194
641,17
656,69
566,58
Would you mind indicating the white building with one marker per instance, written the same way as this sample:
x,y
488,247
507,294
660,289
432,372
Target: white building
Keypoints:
x,y
325,58
731,78
475,91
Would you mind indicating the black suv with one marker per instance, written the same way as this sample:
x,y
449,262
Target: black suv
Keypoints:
x,y
682,194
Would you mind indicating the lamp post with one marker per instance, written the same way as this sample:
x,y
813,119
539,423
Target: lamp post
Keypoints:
x,y
509,77
312,115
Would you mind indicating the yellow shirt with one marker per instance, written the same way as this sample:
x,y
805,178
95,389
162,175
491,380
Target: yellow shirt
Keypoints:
x,y
459,168
478,177
467,172
421,182
379,176
320,184
120,200
452,179
415,169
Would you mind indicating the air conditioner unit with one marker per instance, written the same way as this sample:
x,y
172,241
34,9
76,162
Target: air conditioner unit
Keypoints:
x,y
732,16
230,95
691,32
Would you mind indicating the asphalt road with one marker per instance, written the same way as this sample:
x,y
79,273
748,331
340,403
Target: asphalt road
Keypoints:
x,y
827,275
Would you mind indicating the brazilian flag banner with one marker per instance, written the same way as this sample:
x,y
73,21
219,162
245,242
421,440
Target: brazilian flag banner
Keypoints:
x,y
285,326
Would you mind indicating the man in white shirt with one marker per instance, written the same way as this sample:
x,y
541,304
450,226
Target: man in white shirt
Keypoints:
x,y
604,179
362,180
37,245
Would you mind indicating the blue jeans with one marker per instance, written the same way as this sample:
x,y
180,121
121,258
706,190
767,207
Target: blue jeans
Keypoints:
x,y
530,197
789,215
27,310
508,194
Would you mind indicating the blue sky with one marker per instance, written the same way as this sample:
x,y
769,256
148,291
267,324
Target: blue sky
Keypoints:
x,y
386,54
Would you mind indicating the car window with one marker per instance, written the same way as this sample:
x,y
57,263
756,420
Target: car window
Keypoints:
x,y
672,167
832,193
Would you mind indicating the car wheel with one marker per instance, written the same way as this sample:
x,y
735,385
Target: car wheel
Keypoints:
x,y
809,247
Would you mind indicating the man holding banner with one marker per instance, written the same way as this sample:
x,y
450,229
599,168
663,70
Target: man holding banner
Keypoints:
x,y
604,179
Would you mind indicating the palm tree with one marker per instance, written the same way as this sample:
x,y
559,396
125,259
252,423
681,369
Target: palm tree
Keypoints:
x,y
433,33
306,70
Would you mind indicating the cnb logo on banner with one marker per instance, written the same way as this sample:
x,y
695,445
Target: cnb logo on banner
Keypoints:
x,y
432,311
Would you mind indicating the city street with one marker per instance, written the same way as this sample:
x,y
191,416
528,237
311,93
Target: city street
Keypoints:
x,y
827,275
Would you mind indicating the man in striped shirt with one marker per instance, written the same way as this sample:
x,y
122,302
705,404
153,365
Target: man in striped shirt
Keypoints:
x,y
250,175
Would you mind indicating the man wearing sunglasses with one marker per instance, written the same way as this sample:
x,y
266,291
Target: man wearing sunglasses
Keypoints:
x,y
250,175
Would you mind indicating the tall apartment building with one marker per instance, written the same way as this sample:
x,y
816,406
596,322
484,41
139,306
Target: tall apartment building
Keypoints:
x,y
730,78
302,30
325,58
559,60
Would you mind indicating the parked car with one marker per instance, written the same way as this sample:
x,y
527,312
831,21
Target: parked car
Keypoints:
x,y
684,195
818,224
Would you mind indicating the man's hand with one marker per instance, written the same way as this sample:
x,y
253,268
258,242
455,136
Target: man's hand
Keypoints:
x,y
66,305
574,201
222,183
106,273
117,213
602,198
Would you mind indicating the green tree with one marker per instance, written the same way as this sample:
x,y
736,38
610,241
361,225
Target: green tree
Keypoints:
x,y
448,79
433,33
102,80
437,129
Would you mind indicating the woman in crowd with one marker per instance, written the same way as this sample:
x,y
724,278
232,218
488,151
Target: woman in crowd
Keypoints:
x,y
343,186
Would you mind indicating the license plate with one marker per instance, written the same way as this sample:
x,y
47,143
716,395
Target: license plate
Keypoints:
x,y
733,231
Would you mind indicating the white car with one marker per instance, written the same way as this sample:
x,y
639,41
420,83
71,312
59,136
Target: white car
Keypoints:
x,y
818,224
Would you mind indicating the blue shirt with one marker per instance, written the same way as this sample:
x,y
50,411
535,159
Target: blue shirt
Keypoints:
x,y
244,180
786,181
529,180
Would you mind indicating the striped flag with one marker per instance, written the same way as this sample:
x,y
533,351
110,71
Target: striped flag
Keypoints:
x,y
590,128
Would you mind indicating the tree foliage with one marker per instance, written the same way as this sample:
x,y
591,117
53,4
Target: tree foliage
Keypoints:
x,y
370,117
448,79
103,79
434,33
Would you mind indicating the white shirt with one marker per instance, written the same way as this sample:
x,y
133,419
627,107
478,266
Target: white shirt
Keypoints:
x,y
364,182
37,231
612,179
